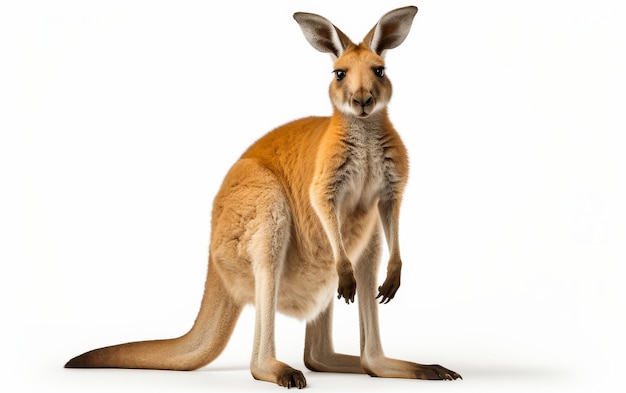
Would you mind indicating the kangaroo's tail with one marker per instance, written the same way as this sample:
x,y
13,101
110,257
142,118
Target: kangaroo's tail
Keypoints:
x,y
201,345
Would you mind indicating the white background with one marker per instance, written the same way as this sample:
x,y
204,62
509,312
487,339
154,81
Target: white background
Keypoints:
x,y
119,120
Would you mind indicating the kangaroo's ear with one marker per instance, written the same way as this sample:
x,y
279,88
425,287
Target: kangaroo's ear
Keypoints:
x,y
391,30
322,34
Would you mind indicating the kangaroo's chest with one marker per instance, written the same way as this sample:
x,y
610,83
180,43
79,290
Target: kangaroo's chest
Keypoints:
x,y
363,176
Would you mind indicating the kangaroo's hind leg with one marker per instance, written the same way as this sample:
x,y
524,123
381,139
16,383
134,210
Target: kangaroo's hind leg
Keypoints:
x,y
260,218
373,360
319,352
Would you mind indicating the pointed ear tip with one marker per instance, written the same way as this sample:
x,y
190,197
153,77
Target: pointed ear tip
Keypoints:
x,y
404,12
410,10
301,16
413,9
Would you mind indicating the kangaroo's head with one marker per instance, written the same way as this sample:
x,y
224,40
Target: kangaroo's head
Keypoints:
x,y
360,86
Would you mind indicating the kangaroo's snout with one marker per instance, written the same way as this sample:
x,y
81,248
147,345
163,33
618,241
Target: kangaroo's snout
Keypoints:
x,y
363,103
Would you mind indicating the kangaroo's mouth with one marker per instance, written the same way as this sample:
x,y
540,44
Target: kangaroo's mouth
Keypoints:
x,y
360,111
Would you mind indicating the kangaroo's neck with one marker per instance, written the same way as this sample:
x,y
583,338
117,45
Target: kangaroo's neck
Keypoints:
x,y
360,129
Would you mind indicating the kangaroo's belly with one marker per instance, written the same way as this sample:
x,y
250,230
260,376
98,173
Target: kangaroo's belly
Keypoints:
x,y
309,279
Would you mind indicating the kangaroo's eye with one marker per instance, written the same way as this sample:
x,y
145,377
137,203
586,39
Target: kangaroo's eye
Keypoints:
x,y
340,74
379,71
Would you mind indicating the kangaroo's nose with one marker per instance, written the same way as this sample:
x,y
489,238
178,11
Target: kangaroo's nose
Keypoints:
x,y
363,101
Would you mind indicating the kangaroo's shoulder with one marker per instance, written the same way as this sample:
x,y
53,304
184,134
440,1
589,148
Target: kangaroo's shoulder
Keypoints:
x,y
295,137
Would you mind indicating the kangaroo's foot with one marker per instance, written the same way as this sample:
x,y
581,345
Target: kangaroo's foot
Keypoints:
x,y
392,368
278,373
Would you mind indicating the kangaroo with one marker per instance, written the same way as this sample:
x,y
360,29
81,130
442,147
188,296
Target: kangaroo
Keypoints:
x,y
300,217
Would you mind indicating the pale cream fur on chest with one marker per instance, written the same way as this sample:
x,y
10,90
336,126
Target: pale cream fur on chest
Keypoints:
x,y
364,170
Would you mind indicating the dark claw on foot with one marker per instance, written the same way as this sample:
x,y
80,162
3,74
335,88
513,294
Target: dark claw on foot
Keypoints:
x,y
292,378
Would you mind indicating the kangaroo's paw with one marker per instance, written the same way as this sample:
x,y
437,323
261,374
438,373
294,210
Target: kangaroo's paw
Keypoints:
x,y
388,290
347,287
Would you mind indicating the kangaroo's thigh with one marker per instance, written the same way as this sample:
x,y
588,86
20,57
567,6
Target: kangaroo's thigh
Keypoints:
x,y
251,217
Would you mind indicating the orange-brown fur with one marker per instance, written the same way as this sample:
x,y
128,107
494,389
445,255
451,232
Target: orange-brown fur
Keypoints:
x,y
298,219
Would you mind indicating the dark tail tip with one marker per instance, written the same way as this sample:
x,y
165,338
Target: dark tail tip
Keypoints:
x,y
80,361
74,363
